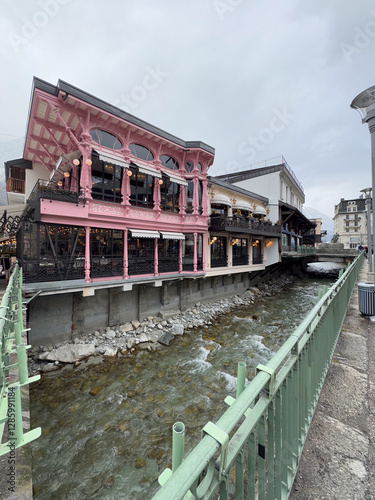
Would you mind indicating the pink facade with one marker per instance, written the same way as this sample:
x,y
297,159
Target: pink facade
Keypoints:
x,y
133,183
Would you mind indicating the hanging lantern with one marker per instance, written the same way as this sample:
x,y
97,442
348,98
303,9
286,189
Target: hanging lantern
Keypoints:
x,y
160,182
88,162
66,174
129,173
76,162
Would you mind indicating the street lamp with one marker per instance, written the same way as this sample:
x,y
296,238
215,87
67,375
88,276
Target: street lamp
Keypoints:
x,y
365,104
367,193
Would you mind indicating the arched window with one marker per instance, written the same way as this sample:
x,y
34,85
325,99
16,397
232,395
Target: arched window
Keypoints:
x,y
169,162
105,139
189,166
141,152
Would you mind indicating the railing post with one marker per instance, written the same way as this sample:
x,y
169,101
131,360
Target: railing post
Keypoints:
x,y
178,445
241,376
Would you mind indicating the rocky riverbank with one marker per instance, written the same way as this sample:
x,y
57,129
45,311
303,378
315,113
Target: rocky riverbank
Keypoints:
x,y
151,334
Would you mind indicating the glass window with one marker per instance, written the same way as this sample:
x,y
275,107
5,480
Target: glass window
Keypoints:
x,y
106,180
200,191
141,152
199,168
189,196
168,256
218,251
240,251
107,252
189,166
105,139
169,162
170,194
141,188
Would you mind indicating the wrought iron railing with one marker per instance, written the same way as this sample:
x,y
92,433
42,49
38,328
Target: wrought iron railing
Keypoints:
x,y
59,268
219,222
13,370
219,262
50,190
255,446
103,267
242,260
141,266
168,265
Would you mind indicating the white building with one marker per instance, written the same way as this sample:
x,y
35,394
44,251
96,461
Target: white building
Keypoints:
x,y
350,222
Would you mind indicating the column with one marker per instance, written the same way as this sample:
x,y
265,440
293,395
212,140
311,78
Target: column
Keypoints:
x,y
126,261
87,255
125,186
204,197
195,261
180,256
195,196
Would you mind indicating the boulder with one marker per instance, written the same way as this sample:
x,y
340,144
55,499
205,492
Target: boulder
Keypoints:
x,y
177,329
110,334
143,337
165,338
135,323
110,351
128,327
70,353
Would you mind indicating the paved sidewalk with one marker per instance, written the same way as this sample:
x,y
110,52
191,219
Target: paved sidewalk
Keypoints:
x,y
338,461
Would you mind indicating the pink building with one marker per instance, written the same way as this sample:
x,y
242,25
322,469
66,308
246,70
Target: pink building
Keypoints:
x,y
114,222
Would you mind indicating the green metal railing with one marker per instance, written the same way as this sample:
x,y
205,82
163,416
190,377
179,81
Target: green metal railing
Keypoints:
x,y
253,450
13,369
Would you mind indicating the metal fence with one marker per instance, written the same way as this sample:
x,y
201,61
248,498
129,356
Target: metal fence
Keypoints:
x,y
253,450
13,369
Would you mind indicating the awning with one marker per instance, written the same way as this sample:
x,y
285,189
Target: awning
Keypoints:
x,y
172,236
243,205
221,199
176,178
146,168
141,233
113,159
260,211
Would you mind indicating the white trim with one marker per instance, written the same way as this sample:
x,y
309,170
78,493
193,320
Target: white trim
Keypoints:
x,y
114,160
176,178
145,167
142,233
172,236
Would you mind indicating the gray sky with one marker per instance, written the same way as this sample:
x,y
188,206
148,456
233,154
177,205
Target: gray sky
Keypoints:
x,y
252,78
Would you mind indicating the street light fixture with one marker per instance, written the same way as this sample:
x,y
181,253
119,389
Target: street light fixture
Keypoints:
x,y
364,103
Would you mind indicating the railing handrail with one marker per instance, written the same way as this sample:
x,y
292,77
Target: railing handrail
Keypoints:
x,y
13,372
270,382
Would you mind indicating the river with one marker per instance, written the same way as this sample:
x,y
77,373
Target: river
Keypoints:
x,y
106,425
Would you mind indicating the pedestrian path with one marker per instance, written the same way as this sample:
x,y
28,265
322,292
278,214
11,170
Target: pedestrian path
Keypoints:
x,y
338,460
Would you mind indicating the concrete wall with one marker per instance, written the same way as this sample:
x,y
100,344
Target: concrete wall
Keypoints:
x,y
63,317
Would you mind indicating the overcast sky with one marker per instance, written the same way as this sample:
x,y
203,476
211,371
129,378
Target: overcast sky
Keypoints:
x,y
253,78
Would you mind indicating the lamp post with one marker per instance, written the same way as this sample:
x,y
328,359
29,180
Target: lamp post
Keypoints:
x,y
367,193
365,104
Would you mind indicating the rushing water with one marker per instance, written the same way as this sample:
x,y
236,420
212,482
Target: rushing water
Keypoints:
x,y
113,444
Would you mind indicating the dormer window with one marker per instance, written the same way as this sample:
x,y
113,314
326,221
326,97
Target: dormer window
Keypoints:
x,y
105,139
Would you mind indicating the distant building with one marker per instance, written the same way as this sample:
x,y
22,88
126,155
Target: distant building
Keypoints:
x,y
314,236
276,181
350,222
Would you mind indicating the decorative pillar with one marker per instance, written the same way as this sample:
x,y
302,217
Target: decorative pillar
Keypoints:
x,y
73,179
87,255
157,196
125,187
126,261
195,260
182,200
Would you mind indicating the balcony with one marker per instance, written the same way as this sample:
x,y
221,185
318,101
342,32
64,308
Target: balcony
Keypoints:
x,y
48,190
15,185
244,225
